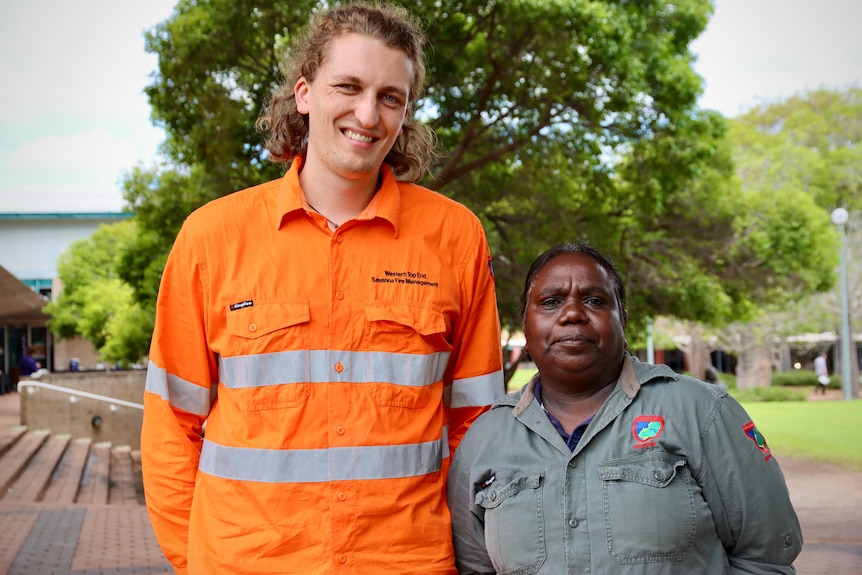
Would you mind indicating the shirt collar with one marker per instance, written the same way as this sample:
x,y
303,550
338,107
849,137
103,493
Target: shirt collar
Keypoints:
x,y
628,381
386,203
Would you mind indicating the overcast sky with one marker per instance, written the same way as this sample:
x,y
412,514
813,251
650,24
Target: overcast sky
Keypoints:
x,y
73,116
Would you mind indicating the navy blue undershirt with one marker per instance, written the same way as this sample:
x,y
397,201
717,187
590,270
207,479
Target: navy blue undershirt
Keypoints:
x,y
577,433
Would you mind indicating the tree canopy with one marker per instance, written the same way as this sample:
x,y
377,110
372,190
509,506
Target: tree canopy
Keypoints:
x,y
94,302
802,156
561,121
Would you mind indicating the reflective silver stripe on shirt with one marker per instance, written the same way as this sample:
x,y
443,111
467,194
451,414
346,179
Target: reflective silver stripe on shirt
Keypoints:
x,y
477,391
319,366
320,465
180,393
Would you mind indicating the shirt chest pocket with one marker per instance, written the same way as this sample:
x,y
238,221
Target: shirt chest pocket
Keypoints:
x,y
413,352
415,327
649,506
262,371
514,522
268,327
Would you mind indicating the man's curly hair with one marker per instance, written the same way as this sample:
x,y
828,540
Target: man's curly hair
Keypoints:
x,y
414,151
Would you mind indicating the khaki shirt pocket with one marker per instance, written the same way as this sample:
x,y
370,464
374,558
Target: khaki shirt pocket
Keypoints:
x,y
649,507
514,521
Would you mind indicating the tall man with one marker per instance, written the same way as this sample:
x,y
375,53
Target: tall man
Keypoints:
x,y
336,330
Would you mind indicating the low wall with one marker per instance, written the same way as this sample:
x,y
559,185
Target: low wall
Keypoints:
x,y
62,412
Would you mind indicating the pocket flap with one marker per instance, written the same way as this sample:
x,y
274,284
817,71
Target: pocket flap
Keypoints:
x,y
424,318
260,319
509,486
657,470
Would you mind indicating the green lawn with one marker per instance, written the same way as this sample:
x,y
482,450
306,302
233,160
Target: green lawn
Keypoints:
x,y
822,430
518,380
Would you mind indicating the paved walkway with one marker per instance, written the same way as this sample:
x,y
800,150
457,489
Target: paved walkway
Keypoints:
x,y
118,540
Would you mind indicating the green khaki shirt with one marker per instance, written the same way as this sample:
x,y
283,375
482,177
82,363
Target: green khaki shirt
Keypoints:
x,y
670,477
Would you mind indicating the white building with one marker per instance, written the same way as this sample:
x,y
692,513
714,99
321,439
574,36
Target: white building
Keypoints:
x,y
32,244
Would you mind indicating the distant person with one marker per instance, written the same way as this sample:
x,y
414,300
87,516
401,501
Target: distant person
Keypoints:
x,y
711,376
605,465
822,373
335,329
28,364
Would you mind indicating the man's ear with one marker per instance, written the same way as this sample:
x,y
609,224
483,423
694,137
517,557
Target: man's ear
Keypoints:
x,y
300,93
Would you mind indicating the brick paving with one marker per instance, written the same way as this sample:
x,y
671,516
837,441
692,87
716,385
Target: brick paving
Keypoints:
x,y
48,538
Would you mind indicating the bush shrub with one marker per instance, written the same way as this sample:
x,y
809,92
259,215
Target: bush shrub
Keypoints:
x,y
728,379
769,394
800,378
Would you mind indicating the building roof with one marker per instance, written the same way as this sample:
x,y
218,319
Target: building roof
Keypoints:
x,y
65,215
17,301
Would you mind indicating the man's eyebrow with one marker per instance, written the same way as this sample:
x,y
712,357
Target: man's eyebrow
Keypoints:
x,y
346,78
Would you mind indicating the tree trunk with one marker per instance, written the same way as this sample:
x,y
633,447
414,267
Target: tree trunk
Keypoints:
x,y
754,368
698,354
784,356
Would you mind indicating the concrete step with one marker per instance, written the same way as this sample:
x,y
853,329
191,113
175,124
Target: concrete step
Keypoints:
x,y
17,457
37,467
33,480
66,479
9,436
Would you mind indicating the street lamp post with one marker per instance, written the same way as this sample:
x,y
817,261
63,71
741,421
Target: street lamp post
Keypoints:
x,y
650,351
839,218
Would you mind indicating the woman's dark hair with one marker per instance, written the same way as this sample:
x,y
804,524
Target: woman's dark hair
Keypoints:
x,y
583,249
414,151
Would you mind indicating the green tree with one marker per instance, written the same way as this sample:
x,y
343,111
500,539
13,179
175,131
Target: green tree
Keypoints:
x,y
95,303
797,158
561,121
538,100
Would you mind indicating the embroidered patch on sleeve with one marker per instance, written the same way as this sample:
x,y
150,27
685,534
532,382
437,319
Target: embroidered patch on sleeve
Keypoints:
x,y
755,436
646,430
491,266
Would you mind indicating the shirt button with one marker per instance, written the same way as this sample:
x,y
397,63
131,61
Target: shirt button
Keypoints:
x,y
493,496
339,430
418,327
342,559
341,496
788,540
339,295
252,327
338,367
573,523
338,239
659,476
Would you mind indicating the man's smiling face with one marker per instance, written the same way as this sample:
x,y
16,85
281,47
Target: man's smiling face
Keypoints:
x,y
356,105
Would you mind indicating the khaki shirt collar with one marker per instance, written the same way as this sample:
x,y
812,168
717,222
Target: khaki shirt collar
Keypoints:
x,y
628,382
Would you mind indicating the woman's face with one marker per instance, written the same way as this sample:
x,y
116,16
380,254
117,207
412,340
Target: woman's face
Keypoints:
x,y
572,322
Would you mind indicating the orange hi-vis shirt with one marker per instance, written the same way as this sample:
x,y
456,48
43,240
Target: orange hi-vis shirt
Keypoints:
x,y
336,373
